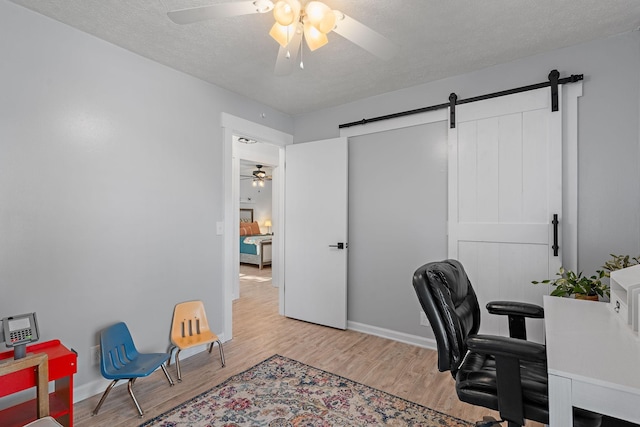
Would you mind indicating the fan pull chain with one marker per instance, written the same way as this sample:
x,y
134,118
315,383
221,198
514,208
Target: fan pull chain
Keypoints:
x,y
301,49
288,55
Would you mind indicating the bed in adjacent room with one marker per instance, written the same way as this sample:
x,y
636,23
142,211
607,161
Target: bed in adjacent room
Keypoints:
x,y
255,247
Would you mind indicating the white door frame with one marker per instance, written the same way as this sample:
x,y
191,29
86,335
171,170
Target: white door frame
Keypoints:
x,y
233,125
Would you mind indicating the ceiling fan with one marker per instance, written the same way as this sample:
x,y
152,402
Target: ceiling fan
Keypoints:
x,y
258,176
295,23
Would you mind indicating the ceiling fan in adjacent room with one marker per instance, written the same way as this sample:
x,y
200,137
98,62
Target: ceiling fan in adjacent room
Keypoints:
x,y
258,176
295,23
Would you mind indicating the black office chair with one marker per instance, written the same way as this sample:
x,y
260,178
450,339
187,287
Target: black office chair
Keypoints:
x,y
506,374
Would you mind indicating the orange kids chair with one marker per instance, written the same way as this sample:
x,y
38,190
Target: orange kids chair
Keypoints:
x,y
190,328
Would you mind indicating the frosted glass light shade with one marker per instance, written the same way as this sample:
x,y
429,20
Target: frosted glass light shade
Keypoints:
x,y
315,39
286,12
320,16
282,34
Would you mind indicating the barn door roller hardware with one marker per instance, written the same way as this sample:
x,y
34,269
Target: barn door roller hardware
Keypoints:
x,y
553,82
554,75
453,99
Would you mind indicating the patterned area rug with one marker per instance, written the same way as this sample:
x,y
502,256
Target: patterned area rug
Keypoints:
x,y
282,392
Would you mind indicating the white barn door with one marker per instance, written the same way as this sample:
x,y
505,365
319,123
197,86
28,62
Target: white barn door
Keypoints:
x,y
505,185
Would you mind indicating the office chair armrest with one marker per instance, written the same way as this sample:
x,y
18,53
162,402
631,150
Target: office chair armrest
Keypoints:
x,y
517,313
507,347
514,308
512,357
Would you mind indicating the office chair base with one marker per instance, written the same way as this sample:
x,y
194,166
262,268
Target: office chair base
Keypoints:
x,y
489,422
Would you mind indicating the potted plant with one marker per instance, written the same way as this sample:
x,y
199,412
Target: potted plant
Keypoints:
x,y
582,287
618,262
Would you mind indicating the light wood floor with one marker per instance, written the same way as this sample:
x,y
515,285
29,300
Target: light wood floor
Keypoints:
x,y
259,332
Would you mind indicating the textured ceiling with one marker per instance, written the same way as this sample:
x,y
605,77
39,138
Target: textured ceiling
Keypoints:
x,y
435,39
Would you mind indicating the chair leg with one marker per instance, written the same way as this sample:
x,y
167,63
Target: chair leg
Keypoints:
x,y
173,347
104,397
178,366
130,388
166,374
221,351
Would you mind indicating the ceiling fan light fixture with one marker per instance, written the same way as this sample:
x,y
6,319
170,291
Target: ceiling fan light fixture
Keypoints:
x,y
320,16
314,37
286,12
259,173
293,24
282,34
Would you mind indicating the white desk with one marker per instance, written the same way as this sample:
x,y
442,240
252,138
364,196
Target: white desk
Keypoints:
x,y
593,361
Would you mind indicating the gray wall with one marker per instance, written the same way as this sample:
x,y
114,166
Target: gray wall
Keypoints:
x,y
608,159
397,220
110,185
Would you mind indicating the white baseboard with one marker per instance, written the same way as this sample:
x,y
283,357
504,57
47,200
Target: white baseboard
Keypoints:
x,y
393,335
92,388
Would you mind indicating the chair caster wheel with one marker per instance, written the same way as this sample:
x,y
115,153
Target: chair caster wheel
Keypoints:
x,y
488,422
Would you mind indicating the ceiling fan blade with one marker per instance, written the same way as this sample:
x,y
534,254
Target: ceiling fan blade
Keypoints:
x,y
284,64
222,10
364,36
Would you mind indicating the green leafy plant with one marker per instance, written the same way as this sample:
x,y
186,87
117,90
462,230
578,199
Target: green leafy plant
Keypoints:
x,y
569,283
618,262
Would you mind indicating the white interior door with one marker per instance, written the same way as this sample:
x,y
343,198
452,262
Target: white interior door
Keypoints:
x,y
316,184
505,185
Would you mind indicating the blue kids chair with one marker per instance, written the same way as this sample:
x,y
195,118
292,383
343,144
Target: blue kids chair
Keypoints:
x,y
119,360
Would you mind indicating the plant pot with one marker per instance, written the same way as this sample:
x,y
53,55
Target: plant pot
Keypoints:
x,y
587,297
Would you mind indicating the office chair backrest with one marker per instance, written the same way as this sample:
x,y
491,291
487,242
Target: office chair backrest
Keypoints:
x,y
451,305
117,348
189,319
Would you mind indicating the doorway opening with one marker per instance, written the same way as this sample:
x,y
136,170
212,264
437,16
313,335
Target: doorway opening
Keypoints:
x,y
268,149
256,224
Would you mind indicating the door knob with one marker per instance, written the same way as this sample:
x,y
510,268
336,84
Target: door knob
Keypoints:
x,y
340,245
